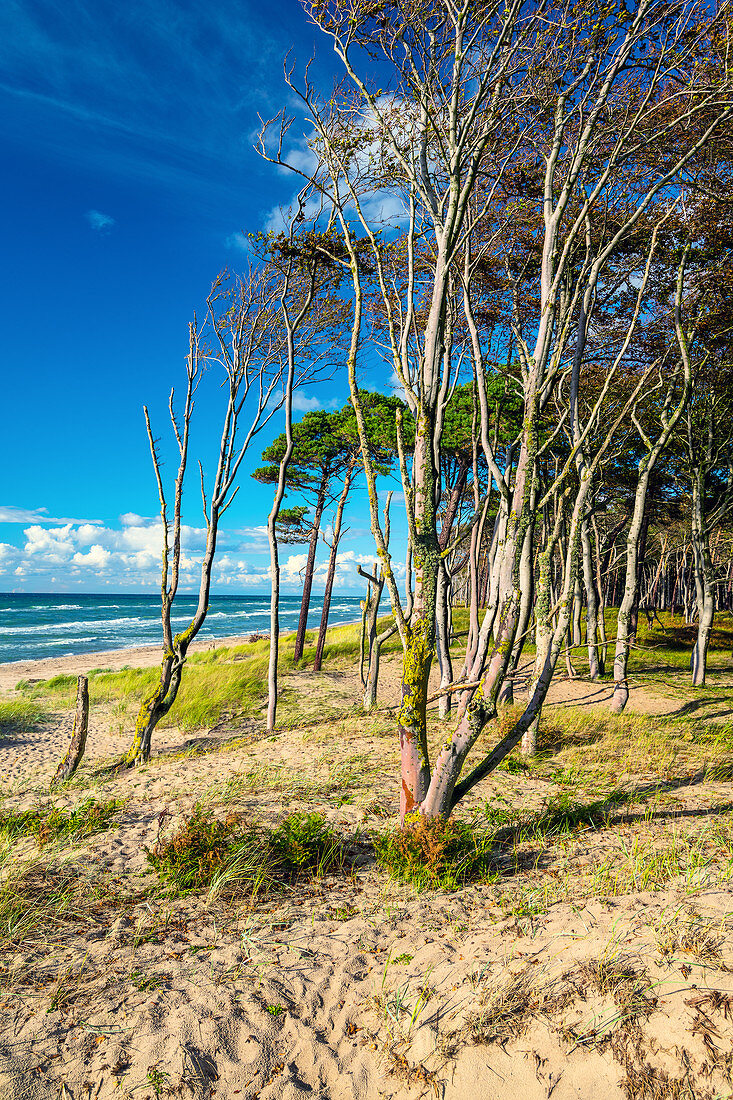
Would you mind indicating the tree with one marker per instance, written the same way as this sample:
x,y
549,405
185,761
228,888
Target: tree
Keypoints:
x,y
379,419
316,461
248,345
517,138
312,315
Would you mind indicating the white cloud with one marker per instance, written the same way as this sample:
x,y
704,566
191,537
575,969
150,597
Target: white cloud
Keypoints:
x,y
301,403
129,554
96,558
238,240
99,221
290,569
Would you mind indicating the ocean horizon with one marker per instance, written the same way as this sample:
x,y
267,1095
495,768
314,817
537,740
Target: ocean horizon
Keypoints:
x,y
37,625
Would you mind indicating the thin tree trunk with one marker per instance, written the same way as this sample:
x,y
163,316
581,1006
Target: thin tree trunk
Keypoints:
x,y
73,757
704,583
595,669
624,627
348,477
310,568
443,629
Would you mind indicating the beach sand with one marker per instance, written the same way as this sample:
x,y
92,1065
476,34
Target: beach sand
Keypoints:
x,y
353,987
35,754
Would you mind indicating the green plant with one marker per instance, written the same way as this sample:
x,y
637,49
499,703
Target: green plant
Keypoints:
x,y
158,1079
432,854
47,822
187,861
19,716
232,857
35,897
145,983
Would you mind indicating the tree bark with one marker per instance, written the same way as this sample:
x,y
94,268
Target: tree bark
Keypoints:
x,y
73,757
595,667
348,477
310,567
704,582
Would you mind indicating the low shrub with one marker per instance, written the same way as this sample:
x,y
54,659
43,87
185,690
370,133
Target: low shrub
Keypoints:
x,y
436,854
232,858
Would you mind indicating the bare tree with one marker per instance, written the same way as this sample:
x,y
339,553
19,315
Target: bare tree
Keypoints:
x,y
311,318
247,344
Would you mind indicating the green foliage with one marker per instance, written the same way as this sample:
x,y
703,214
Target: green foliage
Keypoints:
x,y
48,822
233,857
292,525
435,854
324,443
19,716
188,860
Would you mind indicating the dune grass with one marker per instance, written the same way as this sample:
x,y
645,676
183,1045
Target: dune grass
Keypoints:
x,y
224,682
20,716
244,859
48,823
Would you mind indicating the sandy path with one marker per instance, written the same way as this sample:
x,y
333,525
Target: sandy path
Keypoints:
x,y
354,988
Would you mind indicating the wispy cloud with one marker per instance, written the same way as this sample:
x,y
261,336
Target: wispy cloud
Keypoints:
x,y
239,241
167,91
10,514
99,221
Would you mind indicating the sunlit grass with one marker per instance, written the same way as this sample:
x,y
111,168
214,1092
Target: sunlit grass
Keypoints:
x,y
227,681
20,716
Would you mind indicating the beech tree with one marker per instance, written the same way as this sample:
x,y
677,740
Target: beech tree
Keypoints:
x,y
516,135
313,317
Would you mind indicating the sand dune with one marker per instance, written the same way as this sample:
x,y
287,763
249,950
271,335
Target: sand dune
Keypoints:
x,y
351,988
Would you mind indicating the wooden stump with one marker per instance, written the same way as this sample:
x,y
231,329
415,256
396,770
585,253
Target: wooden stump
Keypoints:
x,y
71,761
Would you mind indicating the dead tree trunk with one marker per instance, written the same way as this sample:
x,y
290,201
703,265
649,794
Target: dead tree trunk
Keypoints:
x,y
75,752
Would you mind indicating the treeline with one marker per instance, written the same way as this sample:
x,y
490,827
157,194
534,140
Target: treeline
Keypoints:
x,y
523,210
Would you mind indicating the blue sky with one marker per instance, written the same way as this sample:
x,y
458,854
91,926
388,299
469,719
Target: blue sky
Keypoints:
x,y
129,176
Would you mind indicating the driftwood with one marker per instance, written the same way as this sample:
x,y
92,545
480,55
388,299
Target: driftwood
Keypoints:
x,y
72,760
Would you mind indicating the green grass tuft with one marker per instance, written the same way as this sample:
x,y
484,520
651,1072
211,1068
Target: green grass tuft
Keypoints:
x,y
20,716
47,822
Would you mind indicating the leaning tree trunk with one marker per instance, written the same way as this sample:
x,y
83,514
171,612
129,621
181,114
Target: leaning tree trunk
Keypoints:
x,y
625,624
330,575
419,644
309,569
543,631
75,752
526,588
274,558
443,632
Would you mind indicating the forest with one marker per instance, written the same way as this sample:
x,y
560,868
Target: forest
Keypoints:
x,y
524,213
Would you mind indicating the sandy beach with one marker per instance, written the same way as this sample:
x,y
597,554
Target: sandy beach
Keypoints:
x,y
79,664
535,985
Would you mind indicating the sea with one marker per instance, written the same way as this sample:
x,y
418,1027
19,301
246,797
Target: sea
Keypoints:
x,y
35,625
